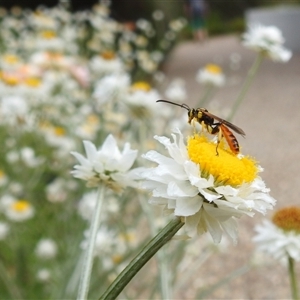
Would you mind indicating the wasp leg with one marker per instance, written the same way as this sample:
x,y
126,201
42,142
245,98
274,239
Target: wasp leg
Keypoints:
x,y
193,123
216,130
202,126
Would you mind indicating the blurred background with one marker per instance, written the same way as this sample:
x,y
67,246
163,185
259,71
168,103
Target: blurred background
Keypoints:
x,y
159,59
223,17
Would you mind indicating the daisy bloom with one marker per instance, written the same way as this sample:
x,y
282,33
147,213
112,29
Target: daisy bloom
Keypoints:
x,y
141,101
107,63
106,165
176,90
19,210
111,87
267,40
43,275
207,191
211,75
281,237
88,202
46,249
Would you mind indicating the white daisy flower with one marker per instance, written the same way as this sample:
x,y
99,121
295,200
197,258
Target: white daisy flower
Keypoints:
x,y
13,108
209,192
19,211
111,88
87,205
211,75
281,237
43,275
141,101
56,191
267,40
46,249
103,65
107,164
29,157
176,90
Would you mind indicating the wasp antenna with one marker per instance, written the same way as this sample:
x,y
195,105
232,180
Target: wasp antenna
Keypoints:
x,y
180,105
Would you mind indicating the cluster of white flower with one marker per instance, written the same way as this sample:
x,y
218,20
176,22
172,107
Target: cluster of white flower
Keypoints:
x,y
67,77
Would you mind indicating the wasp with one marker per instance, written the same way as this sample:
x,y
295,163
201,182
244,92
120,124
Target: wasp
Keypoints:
x,y
207,120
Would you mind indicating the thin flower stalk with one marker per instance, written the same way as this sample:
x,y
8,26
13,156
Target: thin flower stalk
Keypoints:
x,y
88,262
13,289
247,83
207,95
293,279
165,278
142,258
164,274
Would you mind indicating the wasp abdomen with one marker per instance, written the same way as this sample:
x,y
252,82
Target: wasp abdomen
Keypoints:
x,y
230,139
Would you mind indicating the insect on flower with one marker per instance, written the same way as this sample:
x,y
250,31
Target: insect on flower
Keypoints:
x,y
220,128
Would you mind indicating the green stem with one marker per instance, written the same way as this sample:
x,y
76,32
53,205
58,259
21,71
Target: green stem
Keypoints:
x,y
208,93
88,261
162,260
165,278
293,278
7,281
141,259
251,74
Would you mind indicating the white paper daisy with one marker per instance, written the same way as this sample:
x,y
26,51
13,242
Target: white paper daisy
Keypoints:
x,y
281,237
19,210
209,192
211,75
107,165
267,40
46,249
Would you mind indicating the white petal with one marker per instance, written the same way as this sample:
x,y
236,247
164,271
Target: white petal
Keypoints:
x,y
230,227
209,195
227,190
181,189
213,227
188,206
127,160
81,159
110,148
90,150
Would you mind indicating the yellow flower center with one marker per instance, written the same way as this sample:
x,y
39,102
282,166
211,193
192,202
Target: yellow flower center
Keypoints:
x,y
32,82
128,237
215,69
48,34
10,79
44,125
141,86
108,55
93,119
226,168
117,258
20,205
2,174
288,218
11,59
59,131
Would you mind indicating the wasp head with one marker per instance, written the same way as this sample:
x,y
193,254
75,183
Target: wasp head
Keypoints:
x,y
192,113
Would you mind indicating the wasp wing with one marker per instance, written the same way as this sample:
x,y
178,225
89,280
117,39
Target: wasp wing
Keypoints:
x,y
228,124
